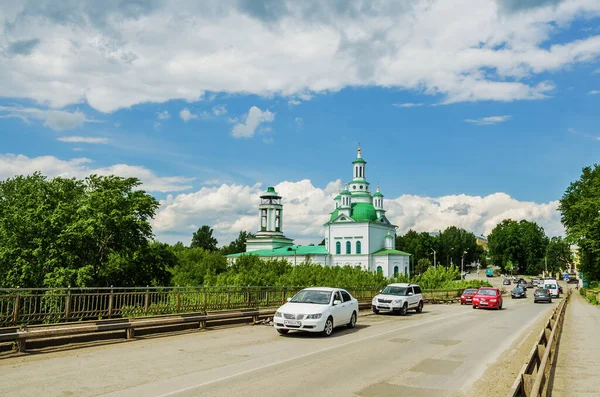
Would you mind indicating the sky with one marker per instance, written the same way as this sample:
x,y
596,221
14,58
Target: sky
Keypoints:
x,y
467,111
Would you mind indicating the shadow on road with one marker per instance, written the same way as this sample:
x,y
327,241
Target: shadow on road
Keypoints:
x,y
337,332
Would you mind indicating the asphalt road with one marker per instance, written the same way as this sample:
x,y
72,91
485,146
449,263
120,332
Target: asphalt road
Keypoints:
x,y
440,352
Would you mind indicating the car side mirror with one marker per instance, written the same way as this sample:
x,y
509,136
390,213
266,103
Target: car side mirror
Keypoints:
x,y
410,294
289,299
337,302
380,290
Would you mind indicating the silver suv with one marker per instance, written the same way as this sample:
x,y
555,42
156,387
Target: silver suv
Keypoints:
x,y
398,298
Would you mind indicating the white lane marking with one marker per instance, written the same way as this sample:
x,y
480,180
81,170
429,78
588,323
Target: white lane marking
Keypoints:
x,y
309,354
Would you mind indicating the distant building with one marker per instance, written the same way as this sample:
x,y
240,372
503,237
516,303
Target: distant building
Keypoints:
x,y
575,264
480,240
358,232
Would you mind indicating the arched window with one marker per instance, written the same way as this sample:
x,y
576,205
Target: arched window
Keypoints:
x,y
395,271
358,247
338,248
348,247
379,269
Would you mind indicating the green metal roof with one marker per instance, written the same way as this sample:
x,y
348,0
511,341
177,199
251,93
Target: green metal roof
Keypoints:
x,y
337,197
345,191
334,215
363,212
377,194
287,251
360,194
385,251
359,160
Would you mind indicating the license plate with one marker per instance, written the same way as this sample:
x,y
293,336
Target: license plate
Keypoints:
x,y
484,303
293,323
383,306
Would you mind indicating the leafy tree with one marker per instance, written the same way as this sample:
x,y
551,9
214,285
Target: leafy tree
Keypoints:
x,y
194,265
509,267
63,232
523,243
580,214
238,245
203,238
422,265
558,254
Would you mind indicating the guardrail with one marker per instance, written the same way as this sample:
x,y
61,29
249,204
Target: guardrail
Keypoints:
x,y
33,306
533,378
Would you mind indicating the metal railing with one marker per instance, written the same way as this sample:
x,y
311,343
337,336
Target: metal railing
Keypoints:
x,y
533,380
46,306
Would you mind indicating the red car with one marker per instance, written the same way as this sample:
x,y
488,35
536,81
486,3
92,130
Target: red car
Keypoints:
x,y
487,297
467,296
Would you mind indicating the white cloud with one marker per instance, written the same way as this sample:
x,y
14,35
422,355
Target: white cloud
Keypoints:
x,y
488,120
11,165
82,139
407,105
186,115
299,121
163,115
58,120
594,92
232,208
154,52
294,102
252,120
219,110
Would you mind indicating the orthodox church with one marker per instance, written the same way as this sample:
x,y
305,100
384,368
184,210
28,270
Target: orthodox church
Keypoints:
x,y
357,234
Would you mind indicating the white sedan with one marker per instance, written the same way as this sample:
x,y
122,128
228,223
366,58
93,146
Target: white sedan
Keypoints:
x,y
317,310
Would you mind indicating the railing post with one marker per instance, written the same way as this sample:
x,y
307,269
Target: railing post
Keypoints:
x,y
283,296
267,292
204,303
68,304
248,297
146,300
177,300
110,302
228,298
16,308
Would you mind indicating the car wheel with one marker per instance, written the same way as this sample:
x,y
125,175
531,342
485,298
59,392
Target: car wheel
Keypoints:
x,y
500,306
283,331
328,329
352,322
404,309
474,307
420,307
375,311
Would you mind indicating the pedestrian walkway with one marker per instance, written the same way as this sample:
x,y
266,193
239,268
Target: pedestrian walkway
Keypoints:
x,y
578,360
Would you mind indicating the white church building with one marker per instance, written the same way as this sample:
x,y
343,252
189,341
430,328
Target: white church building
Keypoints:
x,y
357,234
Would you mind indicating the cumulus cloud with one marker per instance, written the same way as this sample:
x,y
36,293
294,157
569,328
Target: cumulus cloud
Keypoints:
x,y
252,120
153,52
299,121
186,115
232,208
219,110
82,139
163,115
11,165
594,92
58,120
488,120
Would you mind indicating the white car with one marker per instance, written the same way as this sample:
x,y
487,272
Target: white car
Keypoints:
x,y
399,298
317,310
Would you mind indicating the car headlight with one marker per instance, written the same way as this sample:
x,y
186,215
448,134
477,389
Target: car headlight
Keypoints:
x,y
277,314
397,301
313,316
492,300
374,301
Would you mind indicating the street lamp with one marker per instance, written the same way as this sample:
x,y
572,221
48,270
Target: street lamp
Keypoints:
x,y
433,257
462,261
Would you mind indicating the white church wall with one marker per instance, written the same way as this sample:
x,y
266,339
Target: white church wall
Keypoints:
x,y
377,236
353,232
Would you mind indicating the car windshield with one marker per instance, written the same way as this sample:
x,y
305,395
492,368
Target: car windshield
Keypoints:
x,y
518,290
540,291
469,291
489,292
551,286
312,296
394,290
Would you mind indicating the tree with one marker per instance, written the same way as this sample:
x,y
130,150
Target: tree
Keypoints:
x,y
62,232
195,265
509,267
456,243
422,265
558,255
523,243
580,214
238,245
203,238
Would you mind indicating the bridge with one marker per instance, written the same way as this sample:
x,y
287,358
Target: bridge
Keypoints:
x,y
448,350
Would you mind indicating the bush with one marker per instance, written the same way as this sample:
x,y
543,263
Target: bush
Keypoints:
x,y
582,291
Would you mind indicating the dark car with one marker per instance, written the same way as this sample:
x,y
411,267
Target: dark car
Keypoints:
x,y
522,285
506,282
518,292
542,295
529,284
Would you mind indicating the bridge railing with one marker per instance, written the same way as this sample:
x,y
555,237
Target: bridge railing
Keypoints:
x,y
46,306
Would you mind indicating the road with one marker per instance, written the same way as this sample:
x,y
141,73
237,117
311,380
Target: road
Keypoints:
x,y
440,352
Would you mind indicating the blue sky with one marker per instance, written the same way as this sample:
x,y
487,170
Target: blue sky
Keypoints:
x,y
502,103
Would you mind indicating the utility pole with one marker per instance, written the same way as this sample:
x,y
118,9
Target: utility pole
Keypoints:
x,y
433,257
546,265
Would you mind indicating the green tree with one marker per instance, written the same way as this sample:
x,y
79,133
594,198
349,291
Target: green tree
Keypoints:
x,y
196,265
62,232
523,243
509,267
558,255
238,245
203,238
422,265
580,214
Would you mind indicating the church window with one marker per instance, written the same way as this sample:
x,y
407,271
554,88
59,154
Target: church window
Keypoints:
x,y
277,220
395,271
379,269
361,187
358,247
338,248
348,248
263,220
342,218
354,187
